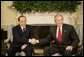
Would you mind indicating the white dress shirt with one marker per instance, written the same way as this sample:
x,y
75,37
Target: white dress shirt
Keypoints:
x,y
58,30
22,27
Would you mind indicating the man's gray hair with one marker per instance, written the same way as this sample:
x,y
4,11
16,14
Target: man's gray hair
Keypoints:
x,y
57,15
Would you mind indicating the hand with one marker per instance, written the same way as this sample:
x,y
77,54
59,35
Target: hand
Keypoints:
x,y
23,46
33,41
69,48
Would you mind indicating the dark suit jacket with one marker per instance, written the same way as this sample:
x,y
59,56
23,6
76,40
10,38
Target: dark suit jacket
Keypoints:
x,y
19,37
69,36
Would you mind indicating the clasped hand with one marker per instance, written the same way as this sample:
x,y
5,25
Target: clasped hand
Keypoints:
x,y
33,41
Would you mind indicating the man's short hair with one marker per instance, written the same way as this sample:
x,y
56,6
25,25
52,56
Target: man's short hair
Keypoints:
x,y
57,15
20,17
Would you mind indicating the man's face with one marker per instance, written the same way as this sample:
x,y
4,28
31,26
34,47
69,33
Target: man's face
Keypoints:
x,y
22,21
59,21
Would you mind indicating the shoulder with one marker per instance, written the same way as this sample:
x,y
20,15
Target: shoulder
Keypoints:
x,y
15,27
28,26
67,25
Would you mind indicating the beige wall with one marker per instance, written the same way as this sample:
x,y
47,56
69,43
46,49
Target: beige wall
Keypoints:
x,y
9,17
80,14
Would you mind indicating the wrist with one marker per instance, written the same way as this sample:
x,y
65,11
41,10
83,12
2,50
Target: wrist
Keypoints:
x,y
30,40
37,41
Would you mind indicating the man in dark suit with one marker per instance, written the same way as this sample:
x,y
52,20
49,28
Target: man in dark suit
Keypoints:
x,y
22,35
65,38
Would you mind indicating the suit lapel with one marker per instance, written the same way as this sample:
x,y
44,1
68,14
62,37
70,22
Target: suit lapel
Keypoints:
x,y
19,29
55,30
63,31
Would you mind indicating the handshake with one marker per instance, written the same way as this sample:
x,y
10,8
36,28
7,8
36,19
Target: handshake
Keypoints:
x,y
33,41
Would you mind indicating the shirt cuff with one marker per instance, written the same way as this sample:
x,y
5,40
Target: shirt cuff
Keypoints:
x,y
37,41
29,40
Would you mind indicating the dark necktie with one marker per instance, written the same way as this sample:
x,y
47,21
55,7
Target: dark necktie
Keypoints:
x,y
24,29
59,39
